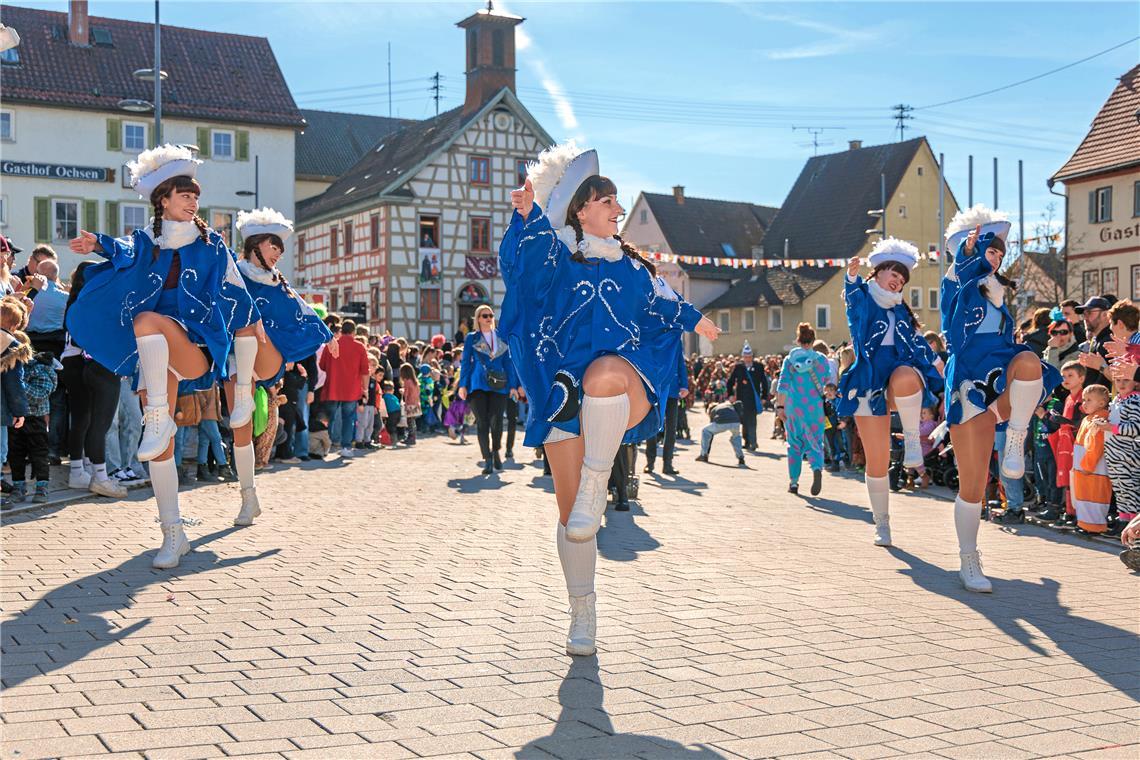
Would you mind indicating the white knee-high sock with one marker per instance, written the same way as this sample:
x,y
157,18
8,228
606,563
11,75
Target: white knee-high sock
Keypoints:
x,y
879,493
245,352
243,464
604,420
967,518
164,481
154,363
579,561
910,411
1024,395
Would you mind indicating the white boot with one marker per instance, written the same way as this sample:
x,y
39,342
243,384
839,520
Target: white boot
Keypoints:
x,y
108,487
912,450
249,507
583,625
159,428
589,505
80,479
971,573
174,545
1013,458
242,412
882,530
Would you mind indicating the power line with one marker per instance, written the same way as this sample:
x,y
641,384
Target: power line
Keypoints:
x,y
1030,79
355,87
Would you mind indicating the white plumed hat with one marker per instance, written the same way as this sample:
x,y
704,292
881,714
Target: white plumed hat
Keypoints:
x,y
155,166
994,224
557,174
747,350
264,221
893,249
8,38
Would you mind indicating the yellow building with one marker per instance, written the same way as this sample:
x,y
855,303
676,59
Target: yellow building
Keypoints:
x,y
1102,199
825,216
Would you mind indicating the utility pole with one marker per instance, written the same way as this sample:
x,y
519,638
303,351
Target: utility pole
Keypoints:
x,y
389,80
995,183
157,78
435,93
941,216
902,116
970,184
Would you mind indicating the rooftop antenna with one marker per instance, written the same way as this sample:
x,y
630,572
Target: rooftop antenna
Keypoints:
x,y
815,132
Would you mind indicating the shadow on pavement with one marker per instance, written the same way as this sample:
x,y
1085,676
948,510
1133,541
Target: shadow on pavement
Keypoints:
x,y
584,728
478,483
622,538
838,508
1017,607
67,623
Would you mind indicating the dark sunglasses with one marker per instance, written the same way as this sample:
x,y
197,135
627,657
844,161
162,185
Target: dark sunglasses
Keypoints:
x,y
485,316
1061,332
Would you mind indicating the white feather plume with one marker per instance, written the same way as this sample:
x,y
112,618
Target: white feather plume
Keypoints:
x,y
894,245
154,158
545,172
263,217
968,219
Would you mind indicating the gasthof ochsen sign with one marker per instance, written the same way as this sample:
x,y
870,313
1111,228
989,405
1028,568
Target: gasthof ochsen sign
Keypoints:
x,y
57,171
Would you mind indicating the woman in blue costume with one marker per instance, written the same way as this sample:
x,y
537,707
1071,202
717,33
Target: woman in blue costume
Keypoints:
x,y
293,332
990,379
487,380
894,368
163,304
593,334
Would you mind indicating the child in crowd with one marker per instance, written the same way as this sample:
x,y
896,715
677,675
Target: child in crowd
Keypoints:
x,y
392,407
319,442
381,414
16,352
1063,429
1044,463
1122,448
926,425
186,416
1090,484
210,436
366,409
410,390
455,418
833,431
264,444
28,443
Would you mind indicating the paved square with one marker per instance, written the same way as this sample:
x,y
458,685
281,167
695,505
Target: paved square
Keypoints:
x,y
400,605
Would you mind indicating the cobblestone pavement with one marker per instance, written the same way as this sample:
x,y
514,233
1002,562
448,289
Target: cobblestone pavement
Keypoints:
x,y
399,605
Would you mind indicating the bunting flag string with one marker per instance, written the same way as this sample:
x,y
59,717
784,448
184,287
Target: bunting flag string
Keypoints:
x,y
741,263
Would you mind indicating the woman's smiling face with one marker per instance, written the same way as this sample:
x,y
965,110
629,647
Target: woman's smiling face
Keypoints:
x,y
890,279
600,216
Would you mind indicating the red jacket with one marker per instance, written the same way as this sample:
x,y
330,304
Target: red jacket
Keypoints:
x,y
345,372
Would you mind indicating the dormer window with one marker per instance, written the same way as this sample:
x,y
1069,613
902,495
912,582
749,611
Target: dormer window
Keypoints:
x,y
101,37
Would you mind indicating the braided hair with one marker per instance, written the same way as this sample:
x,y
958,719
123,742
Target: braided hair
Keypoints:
x,y
165,189
593,188
895,266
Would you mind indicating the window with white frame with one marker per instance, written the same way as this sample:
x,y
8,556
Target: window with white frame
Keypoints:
x,y
64,218
132,217
724,320
916,298
3,210
775,318
222,145
1100,205
644,216
748,320
125,177
932,298
902,211
134,136
7,126
823,316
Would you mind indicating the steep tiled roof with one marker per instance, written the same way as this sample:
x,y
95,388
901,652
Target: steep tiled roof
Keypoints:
x,y
773,286
332,142
1113,141
825,213
213,76
385,163
700,227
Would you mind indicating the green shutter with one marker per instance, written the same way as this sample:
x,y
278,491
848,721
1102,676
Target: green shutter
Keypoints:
x,y
204,142
1092,207
114,134
111,209
1108,203
242,152
90,215
43,220
204,213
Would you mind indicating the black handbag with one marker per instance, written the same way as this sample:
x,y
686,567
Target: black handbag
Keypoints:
x,y
495,378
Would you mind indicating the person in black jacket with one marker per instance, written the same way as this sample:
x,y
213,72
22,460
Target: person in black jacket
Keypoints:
x,y
1094,313
748,384
1038,339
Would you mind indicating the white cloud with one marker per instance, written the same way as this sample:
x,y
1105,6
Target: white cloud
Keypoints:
x,y
836,40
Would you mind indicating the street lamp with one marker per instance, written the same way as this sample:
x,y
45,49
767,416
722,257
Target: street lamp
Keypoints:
x,y
135,105
255,192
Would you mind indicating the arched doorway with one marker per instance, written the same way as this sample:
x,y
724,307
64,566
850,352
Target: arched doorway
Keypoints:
x,y
469,296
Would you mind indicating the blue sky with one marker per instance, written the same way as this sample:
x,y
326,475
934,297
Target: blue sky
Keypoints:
x,y
707,94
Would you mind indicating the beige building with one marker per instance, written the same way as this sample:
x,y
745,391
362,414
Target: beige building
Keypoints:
x,y
825,216
1102,199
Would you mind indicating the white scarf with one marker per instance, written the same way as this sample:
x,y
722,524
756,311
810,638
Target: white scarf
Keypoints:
x,y
591,246
174,234
257,274
884,298
995,291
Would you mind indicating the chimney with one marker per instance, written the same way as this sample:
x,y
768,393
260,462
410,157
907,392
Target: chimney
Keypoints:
x,y
854,144
78,32
490,55
679,194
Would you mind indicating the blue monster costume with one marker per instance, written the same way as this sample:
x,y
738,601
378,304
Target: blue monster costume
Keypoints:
x,y
207,297
979,336
870,325
802,377
559,315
